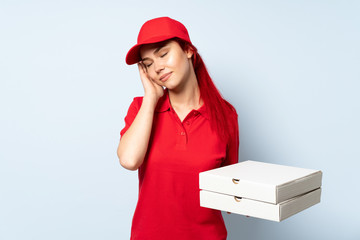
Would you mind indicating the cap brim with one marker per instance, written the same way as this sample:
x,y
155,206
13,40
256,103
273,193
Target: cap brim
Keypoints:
x,y
133,55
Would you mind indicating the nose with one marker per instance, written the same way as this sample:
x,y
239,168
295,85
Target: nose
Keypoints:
x,y
158,66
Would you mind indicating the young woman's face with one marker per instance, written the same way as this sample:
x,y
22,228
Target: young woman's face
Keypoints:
x,y
167,64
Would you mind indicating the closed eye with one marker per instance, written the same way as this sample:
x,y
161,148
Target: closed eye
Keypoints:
x,y
148,65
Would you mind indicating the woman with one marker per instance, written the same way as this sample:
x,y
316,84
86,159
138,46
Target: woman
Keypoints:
x,y
181,127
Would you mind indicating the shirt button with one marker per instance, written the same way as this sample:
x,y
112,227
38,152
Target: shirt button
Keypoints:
x,y
196,113
182,133
187,123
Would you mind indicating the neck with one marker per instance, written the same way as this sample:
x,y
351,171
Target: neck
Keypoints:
x,y
188,97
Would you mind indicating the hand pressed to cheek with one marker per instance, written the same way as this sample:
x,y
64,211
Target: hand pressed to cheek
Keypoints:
x,y
146,73
145,70
143,67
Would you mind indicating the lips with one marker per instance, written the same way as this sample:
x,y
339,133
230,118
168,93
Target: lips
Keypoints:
x,y
165,77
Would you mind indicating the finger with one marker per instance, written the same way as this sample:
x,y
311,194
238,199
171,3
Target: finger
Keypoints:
x,y
140,67
143,66
147,74
143,73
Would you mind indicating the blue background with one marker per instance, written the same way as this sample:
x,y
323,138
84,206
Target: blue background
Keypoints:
x,y
291,69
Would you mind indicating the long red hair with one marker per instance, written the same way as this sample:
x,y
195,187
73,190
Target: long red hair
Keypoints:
x,y
223,117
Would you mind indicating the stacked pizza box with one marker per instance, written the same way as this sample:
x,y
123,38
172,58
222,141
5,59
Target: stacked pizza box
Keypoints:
x,y
262,190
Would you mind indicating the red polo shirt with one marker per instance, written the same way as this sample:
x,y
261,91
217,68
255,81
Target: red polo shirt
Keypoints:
x,y
168,206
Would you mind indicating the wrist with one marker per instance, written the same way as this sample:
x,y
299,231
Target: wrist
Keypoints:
x,y
150,100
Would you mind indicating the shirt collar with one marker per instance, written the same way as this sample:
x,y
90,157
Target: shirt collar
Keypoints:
x,y
164,105
203,111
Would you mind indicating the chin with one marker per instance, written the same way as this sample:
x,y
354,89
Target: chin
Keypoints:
x,y
172,84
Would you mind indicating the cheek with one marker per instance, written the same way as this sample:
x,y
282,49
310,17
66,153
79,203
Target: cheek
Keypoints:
x,y
154,76
177,62
171,62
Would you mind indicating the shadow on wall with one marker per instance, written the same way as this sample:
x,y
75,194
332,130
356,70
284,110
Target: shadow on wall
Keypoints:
x,y
240,227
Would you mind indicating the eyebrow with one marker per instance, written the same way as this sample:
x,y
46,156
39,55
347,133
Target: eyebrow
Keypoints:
x,y
155,51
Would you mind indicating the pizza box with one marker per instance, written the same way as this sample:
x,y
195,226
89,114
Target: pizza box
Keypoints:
x,y
258,189
267,182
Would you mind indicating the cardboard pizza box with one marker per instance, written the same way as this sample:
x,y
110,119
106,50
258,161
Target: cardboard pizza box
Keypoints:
x,y
258,189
